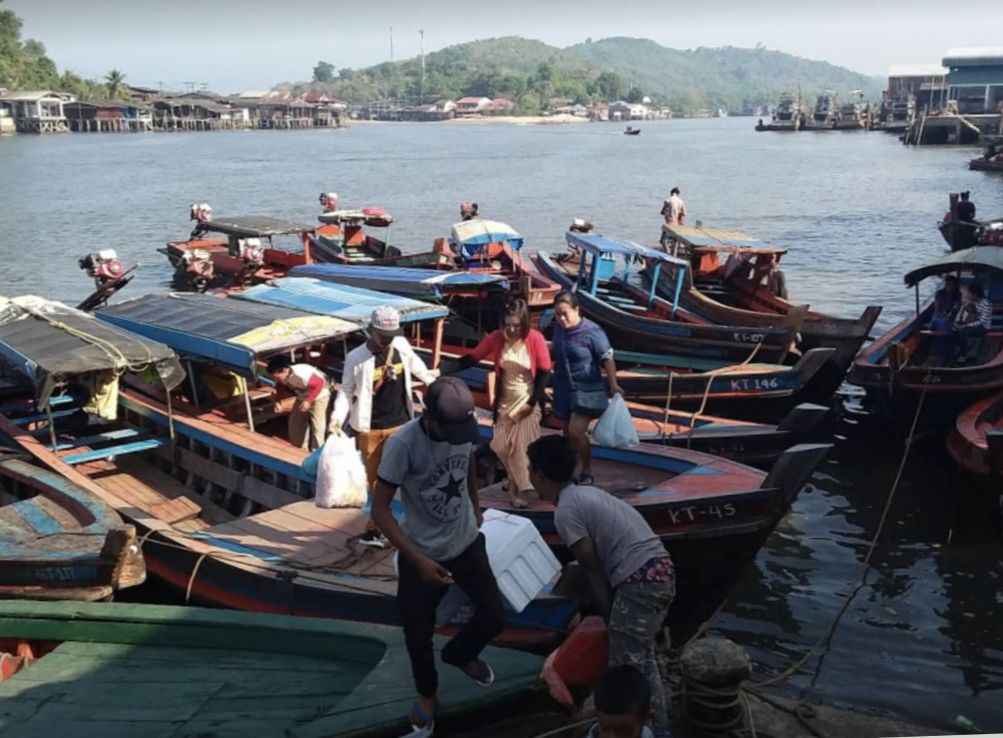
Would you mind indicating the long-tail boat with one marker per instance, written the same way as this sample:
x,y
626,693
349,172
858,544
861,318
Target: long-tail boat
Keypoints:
x,y
637,319
101,669
907,363
724,283
959,234
343,238
58,541
976,441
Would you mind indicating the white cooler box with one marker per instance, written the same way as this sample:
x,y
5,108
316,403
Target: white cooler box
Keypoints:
x,y
521,561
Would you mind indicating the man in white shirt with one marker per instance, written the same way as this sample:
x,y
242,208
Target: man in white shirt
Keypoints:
x,y
376,393
313,395
674,212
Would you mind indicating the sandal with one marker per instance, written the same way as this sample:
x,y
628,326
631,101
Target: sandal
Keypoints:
x,y
420,721
484,675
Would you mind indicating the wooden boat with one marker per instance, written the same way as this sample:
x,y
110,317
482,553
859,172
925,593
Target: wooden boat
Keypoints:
x,y
57,541
899,367
631,131
962,235
976,441
788,116
226,509
982,164
712,514
154,670
344,239
638,320
723,283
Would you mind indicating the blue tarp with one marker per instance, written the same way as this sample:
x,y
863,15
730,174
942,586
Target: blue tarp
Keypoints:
x,y
400,280
596,244
226,331
353,304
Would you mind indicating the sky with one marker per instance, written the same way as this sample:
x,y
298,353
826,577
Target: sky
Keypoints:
x,y
253,44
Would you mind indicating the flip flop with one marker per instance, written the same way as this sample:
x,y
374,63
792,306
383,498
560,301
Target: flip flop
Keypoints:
x,y
420,721
519,503
484,676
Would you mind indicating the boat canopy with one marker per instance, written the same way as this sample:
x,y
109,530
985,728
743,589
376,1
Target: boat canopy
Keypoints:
x,y
234,333
470,236
717,239
401,280
50,343
254,226
375,217
340,301
975,259
602,246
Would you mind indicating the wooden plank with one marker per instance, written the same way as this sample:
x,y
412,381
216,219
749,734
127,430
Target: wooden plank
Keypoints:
x,y
263,493
125,448
177,510
142,474
114,435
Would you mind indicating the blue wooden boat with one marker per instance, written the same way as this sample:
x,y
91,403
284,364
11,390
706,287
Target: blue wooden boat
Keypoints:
x,y
99,669
637,319
416,283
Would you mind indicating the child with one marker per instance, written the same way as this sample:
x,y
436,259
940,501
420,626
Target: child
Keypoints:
x,y
623,704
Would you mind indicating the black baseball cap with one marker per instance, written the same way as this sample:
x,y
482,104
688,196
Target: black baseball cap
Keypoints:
x,y
449,402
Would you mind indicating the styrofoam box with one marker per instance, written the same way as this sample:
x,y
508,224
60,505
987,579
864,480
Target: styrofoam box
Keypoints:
x,y
522,563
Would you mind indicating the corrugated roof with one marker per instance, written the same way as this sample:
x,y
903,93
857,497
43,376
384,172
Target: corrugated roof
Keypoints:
x,y
974,55
917,70
33,95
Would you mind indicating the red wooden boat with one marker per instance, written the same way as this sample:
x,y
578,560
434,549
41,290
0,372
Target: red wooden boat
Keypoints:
x,y
724,284
900,366
976,441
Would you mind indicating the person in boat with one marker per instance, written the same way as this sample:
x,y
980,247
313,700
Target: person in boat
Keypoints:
x,y
375,395
622,699
581,350
946,302
966,208
468,210
975,318
674,212
522,368
308,418
430,460
769,274
630,575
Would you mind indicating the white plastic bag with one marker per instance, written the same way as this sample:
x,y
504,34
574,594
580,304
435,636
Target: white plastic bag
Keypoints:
x,y
615,427
341,476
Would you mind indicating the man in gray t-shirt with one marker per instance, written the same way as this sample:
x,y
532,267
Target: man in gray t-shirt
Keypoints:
x,y
430,461
630,575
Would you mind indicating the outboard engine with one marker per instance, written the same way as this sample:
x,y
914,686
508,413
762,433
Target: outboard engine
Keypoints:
x,y
329,201
580,225
102,266
200,212
251,252
197,269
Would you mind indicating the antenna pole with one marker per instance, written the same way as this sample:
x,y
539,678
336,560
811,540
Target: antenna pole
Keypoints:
x,y
421,83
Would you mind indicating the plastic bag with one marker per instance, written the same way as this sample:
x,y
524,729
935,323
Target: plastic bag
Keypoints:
x,y
341,475
615,427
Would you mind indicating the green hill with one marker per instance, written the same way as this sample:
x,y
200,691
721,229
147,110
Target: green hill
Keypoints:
x,y
537,75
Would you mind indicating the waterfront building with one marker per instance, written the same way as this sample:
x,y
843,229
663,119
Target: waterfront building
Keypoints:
x,y
924,84
468,107
108,117
975,79
38,111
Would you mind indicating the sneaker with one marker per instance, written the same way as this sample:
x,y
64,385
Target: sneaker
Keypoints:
x,y
373,539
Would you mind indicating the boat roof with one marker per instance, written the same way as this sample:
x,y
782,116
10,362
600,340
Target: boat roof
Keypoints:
x,y
401,280
476,233
346,303
596,244
49,343
719,239
254,226
231,332
976,259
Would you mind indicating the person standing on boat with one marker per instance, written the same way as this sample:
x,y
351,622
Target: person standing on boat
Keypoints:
x,y
308,418
376,394
430,460
674,212
522,369
630,575
581,350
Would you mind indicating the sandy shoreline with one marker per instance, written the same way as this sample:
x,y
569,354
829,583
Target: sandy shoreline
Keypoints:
x,y
512,120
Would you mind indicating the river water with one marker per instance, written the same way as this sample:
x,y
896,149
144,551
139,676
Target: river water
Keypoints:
x,y
923,638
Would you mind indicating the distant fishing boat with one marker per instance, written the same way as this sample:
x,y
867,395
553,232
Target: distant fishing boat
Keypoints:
x,y
192,671
631,131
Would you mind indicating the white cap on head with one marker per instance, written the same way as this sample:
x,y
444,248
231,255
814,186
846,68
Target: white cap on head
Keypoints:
x,y
386,319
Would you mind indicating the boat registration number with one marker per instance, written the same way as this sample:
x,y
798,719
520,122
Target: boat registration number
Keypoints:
x,y
692,513
745,337
745,384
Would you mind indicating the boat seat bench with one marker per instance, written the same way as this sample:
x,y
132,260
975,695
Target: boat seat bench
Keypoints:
x,y
109,451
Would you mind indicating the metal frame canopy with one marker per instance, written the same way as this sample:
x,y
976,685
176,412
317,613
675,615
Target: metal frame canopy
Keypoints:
x,y
603,246
49,343
974,259
234,333
254,226
718,239
402,280
470,236
339,301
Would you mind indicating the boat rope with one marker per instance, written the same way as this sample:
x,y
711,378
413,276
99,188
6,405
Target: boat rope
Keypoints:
x,y
715,701
865,568
195,571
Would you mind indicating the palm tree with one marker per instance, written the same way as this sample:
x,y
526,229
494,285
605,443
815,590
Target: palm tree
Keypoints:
x,y
114,81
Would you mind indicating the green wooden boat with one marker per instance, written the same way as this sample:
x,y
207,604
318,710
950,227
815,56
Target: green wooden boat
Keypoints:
x,y
152,670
